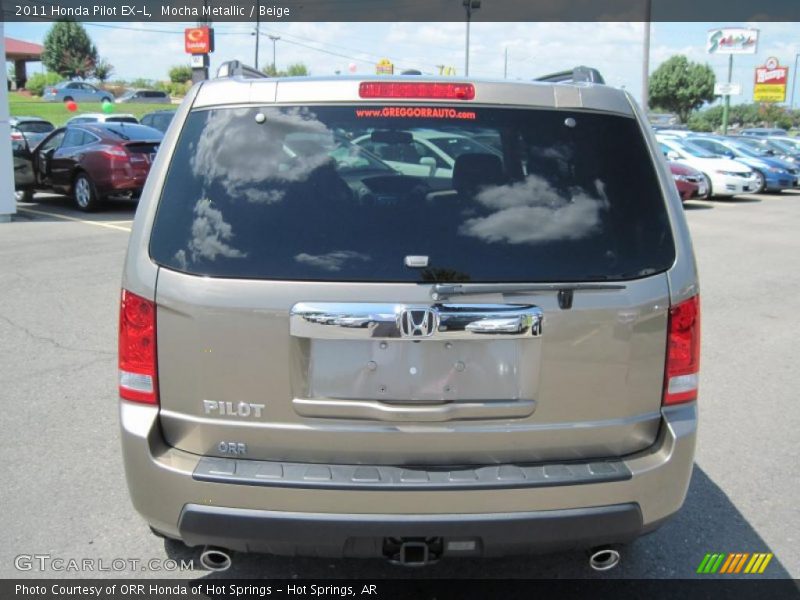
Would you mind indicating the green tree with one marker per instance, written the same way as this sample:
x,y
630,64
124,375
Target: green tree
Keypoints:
x,y
38,81
293,70
180,74
103,70
69,51
681,86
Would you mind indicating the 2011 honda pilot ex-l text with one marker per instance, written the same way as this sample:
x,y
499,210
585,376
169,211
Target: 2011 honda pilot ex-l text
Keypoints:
x,y
334,348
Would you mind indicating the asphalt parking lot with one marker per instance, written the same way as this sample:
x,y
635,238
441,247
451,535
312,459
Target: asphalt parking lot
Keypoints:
x,y
64,491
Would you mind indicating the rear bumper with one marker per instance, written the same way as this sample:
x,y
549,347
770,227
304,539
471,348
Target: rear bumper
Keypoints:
x,y
358,535
353,520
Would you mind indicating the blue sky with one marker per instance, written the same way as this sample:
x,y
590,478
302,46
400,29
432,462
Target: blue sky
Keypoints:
x,y
148,49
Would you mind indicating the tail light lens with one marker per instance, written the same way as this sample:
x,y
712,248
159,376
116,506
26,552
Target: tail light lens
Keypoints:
x,y
683,352
116,152
137,349
16,136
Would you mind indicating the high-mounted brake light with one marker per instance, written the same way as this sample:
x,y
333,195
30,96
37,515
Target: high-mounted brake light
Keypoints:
x,y
137,349
683,352
435,91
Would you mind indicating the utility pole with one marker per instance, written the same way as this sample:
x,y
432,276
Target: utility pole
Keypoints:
x,y
646,58
258,29
505,65
469,5
727,106
274,39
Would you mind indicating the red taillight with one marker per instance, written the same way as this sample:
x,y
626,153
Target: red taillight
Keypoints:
x,y
397,89
683,352
137,349
116,152
16,136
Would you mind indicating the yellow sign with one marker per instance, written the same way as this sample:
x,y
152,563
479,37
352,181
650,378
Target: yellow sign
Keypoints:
x,y
384,67
769,92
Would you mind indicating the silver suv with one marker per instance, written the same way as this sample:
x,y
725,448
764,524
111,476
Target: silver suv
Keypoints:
x,y
324,354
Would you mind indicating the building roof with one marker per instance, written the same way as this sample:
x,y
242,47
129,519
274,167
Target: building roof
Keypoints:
x,y
21,50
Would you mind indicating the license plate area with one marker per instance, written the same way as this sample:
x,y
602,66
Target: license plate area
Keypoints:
x,y
433,371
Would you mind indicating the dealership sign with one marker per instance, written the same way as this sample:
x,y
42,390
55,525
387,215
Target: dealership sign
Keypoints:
x,y
770,84
732,40
198,40
384,67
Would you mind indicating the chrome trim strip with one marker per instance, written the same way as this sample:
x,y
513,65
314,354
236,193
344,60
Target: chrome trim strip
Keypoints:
x,y
360,320
381,411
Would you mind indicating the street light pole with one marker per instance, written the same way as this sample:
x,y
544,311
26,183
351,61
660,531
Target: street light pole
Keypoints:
x,y
646,60
469,5
505,65
274,39
258,30
794,80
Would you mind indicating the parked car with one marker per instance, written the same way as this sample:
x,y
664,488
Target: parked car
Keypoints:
x,y
33,129
785,148
94,160
690,182
422,153
724,177
102,118
159,119
762,131
515,362
79,91
144,97
772,174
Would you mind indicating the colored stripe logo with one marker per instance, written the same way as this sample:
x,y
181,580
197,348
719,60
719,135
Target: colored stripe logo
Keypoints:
x,y
734,562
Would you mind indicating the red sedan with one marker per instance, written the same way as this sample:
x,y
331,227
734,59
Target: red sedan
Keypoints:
x,y
691,183
93,160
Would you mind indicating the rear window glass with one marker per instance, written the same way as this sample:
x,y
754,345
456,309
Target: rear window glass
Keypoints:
x,y
133,133
345,193
35,127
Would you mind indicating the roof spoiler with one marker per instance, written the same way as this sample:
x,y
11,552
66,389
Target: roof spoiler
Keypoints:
x,y
578,74
234,68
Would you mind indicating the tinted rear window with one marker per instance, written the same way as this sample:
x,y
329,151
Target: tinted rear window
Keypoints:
x,y
133,132
35,127
296,194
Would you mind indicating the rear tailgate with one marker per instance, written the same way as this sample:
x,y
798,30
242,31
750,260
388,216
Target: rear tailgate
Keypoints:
x,y
234,367
295,314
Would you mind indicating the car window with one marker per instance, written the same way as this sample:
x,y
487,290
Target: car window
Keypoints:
x,y
711,146
73,86
35,127
694,150
134,132
72,138
121,120
53,142
575,198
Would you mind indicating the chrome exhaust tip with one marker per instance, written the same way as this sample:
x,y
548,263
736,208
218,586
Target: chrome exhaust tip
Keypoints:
x,y
603,558
215,559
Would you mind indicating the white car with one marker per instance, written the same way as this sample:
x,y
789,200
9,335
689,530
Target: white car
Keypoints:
x,y
725,177
103,118
422,153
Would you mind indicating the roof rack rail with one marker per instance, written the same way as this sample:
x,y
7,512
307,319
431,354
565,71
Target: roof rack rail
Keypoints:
x,y
234,68
578,74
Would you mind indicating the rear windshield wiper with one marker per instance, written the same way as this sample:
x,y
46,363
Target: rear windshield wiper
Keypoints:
x,y
565,291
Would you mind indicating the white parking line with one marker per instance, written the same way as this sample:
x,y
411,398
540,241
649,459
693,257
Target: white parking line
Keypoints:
x,y
106,224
